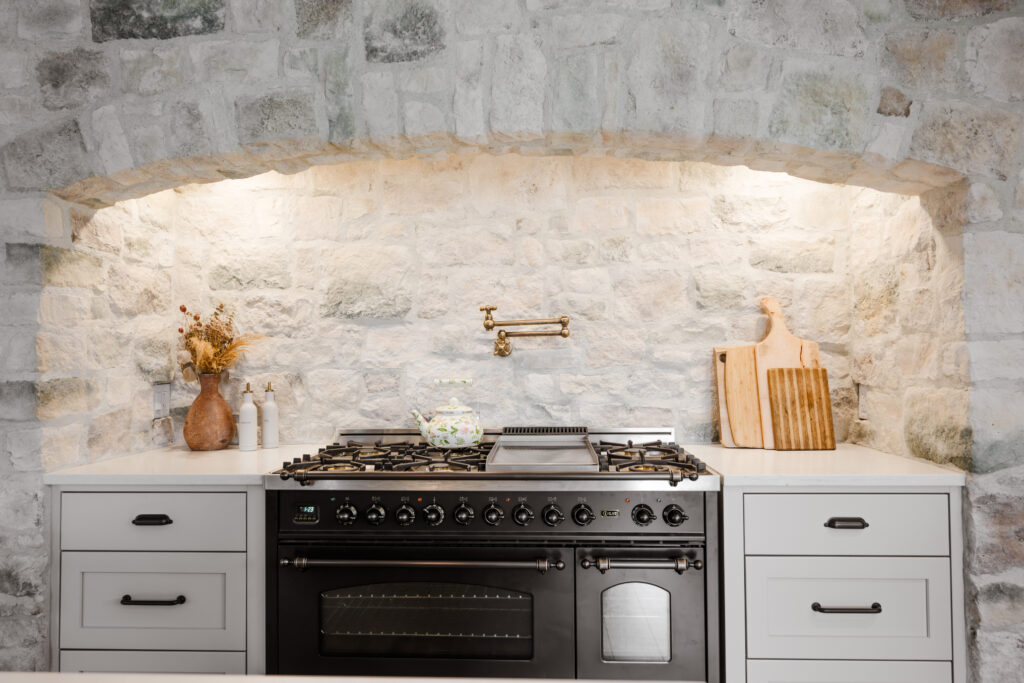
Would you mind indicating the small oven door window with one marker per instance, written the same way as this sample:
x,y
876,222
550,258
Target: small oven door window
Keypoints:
x,y
635,623
426,619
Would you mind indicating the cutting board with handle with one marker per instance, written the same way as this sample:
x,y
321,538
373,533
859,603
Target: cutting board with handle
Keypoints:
x,y
780,348
738,405
801,409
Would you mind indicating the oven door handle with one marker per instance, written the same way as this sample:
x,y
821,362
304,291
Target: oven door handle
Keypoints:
x,y
678,564
541,564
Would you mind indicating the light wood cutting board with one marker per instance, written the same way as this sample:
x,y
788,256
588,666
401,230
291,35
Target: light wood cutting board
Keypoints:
x,y
779,349
738,406
801,409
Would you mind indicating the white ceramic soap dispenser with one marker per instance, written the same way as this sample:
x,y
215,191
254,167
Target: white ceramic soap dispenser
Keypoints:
x,y
247,422
269,419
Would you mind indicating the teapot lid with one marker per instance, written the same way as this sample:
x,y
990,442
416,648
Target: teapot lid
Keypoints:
x,y
453,407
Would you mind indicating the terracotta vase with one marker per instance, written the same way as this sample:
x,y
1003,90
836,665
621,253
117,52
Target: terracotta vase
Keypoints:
x,y
209,425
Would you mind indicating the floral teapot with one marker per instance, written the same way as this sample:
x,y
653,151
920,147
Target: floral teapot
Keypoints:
x,y
455,425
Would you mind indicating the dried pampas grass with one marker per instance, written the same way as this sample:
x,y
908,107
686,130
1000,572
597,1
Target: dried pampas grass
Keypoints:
x,y
210,347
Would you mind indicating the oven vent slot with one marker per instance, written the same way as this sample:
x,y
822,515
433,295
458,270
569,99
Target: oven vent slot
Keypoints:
x,y
537,431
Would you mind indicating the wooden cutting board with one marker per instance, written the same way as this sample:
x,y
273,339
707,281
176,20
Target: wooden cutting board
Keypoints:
x,y
738,405
801,409
779,349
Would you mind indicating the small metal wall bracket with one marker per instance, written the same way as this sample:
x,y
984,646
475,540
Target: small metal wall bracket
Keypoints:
x,y
503,344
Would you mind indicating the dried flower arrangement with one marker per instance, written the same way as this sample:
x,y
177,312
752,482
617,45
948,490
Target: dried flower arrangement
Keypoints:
x,y
210,347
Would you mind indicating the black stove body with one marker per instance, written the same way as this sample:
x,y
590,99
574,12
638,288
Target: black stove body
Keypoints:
x,y
392,559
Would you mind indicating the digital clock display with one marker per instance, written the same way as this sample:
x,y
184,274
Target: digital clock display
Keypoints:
x,y
306,514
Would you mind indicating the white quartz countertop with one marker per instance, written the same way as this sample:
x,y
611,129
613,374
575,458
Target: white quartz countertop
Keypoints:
x,y
847,465
53,677
179,466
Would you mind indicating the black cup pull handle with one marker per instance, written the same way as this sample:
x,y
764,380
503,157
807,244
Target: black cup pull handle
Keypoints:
x,y
152,520
876,608
128,600
847,523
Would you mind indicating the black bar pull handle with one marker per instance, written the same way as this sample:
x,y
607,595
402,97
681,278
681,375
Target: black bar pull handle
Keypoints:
x,y
541,565
677,564
875,608
847,523
152,520
128,600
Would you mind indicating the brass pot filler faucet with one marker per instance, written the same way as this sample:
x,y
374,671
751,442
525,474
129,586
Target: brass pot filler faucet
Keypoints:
x,y
503,345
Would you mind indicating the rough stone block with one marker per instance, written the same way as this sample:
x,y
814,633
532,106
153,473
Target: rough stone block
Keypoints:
x,y
823,110
120,19
18,400
154,70
371,281
982,204
61,351
735,119
955,9
921,58
248,272
811,255
425,123
277,116
468,101
967,138
134,291
300,64
161,131
673,215
235,61
517,89
339,98
993,59
51,156
474,17
666,76
48,19
1000,604
257,16
110,141
403,30
936,425
61,446
13,68
745,67
997,656
22,450
998,432
109,433
21,264
576,106
584,30
322,19
66,268
826,26
991,296
380,102
894,103
65,396
99,230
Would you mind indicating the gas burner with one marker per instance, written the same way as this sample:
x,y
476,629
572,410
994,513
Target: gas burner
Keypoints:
x,y
653,456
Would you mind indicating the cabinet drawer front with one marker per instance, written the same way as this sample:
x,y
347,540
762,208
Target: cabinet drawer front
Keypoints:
x,y
94,587
795,524
138,521
150,661
782,671
912,594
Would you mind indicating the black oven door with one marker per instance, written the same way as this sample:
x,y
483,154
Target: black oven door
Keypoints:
x,y
425,611
640,614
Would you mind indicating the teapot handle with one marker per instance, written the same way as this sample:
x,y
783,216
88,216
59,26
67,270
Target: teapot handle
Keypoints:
x,y
452,382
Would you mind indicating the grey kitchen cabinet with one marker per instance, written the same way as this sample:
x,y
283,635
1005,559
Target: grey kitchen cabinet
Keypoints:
x,y
158,579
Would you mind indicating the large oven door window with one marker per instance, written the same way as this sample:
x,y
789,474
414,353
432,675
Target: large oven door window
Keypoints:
x,y
426,619
635,623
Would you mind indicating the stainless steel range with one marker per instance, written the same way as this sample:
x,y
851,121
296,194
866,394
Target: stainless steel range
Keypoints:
x,y
544,552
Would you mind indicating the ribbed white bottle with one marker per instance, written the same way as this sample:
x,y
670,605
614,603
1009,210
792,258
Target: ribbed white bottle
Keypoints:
x,y
269,419
247,422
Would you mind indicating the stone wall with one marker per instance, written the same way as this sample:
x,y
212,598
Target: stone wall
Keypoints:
x,y
102,101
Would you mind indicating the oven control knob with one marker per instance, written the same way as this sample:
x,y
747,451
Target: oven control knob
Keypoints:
x,y
522,515
405,515
375,514
643,515
582,514
347,514
674,515
434,514
463,514
552,515
493,514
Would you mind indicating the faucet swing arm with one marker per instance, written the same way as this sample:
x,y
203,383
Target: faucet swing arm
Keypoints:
x,y
502,345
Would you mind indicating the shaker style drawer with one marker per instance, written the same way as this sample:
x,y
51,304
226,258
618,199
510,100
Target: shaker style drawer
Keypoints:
x,y
152,521
150,661
848,608
784,671
152,601
846,524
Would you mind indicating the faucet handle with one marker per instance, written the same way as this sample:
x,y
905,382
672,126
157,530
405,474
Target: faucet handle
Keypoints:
x,y
488,318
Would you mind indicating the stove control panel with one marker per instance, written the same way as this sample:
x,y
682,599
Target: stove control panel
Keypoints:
x,y
375,511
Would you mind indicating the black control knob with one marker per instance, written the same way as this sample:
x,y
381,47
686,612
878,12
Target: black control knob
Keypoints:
x,y
522,514
493,514
463,514
552,515
643,515
673,515
405,515
433,514
375,514
347,514
583,514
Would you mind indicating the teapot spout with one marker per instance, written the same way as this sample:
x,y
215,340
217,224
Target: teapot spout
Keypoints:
x,y
421,422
